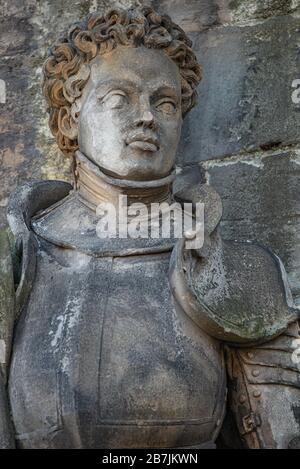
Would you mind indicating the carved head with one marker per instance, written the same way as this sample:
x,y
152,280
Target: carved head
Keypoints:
x,y
118,86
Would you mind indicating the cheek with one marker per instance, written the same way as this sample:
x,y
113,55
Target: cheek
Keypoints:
x,y
100,126
171,132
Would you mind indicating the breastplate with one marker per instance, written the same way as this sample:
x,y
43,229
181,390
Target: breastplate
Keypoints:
x,y
104,358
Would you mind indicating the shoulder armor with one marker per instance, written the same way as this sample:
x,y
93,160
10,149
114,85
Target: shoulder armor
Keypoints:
x,y
29,199
239,294
26,201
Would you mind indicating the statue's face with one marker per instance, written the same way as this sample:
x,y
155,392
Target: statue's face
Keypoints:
x,y
130,119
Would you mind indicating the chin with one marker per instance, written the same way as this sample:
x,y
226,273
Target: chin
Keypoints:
x,y
147,169
146,174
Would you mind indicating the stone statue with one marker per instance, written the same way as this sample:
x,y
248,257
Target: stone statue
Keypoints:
x,y
136,342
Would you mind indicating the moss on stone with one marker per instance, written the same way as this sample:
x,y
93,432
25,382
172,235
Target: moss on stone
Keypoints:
x,y
6,284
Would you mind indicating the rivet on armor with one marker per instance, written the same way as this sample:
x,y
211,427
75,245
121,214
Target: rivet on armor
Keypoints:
x,y
242,398
256,393
255,373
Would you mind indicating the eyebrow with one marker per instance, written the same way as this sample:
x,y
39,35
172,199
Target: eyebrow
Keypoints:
x,y
115,84
130,85
166,91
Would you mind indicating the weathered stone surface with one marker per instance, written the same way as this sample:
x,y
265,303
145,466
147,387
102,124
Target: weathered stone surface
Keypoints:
x,y
27,150
246,92
242,11
261,200
196,16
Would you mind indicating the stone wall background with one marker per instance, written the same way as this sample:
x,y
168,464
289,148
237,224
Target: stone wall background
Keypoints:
x,y
244,135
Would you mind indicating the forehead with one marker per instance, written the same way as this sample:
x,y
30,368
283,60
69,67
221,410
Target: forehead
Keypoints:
x,y
143,68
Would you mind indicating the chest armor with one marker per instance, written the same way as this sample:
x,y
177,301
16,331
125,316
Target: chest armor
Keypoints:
x,y
104,358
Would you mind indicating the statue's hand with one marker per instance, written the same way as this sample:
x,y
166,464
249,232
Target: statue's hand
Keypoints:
x,y
207,203
204,241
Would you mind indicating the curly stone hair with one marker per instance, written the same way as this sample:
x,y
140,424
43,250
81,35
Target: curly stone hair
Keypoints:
x,y
66,70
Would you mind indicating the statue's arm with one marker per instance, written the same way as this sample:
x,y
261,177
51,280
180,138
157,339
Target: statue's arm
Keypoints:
x,y
235,292
17,273
7,318
238,293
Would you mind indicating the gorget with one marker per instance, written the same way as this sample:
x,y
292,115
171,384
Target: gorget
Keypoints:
x,y
73,221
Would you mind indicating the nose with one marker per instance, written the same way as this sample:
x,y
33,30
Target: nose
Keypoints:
x,y
146,118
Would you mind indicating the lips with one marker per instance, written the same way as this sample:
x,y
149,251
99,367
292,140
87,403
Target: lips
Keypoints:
x,y
143,142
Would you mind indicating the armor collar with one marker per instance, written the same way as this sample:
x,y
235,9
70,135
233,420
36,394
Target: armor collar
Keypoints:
x,y
95,187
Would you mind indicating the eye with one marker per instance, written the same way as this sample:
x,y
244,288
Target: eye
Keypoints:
x,y
114,100
166,106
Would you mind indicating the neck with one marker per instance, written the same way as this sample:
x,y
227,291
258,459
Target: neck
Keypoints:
x,y
94,187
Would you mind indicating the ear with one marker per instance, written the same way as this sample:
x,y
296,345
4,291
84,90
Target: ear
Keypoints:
x,y
66,124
